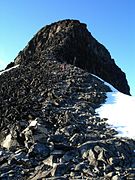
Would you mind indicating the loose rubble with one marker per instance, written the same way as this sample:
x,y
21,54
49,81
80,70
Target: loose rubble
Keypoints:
x,y
49,128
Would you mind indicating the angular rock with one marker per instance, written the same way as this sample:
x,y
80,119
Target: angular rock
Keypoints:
x,y
59,169
39,150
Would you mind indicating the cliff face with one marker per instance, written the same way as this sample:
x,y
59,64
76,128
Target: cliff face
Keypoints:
x,y
70,41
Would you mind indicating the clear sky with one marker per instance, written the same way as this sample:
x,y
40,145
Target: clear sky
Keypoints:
x,y
111,22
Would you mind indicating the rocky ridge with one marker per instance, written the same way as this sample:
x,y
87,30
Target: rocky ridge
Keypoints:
x,y
49,128
70,41
48,125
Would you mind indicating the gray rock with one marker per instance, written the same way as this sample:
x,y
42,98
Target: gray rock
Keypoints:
x,y
49,161
92,158
59,169
69,156
39,150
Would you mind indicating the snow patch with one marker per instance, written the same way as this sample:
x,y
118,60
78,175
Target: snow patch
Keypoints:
x,y
119,110
8,69
107,84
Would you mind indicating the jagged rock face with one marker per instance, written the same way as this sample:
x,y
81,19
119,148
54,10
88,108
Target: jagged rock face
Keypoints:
x,y
70,41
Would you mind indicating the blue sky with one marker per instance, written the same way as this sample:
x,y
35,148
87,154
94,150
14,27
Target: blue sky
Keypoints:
x,y
111,22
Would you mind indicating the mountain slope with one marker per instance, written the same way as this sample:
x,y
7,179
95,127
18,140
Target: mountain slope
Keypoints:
x,y
49,127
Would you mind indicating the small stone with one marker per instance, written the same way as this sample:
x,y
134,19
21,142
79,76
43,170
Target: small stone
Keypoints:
x,y
59,169
68,130
7,143
110,174
1,152
40,150
57,152
69,156
101,157
79,167
116,177
76,139
49,161
92,158
84,154
57,138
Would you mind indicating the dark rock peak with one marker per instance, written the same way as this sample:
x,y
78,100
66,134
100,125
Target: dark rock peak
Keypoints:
x,y
70,41
49,128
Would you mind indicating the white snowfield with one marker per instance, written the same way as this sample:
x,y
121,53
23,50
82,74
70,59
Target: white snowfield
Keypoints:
x,y
119,109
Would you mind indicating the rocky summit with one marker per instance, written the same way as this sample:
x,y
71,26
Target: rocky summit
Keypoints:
x,y
48,125
69,41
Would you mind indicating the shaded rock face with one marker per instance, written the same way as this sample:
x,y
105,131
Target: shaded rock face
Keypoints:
x,y
70,41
